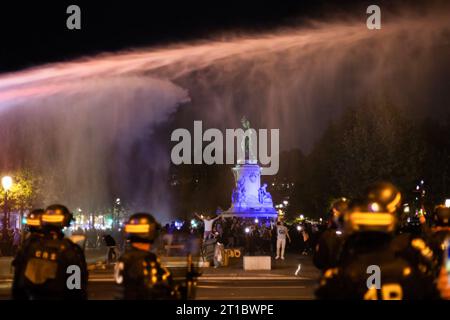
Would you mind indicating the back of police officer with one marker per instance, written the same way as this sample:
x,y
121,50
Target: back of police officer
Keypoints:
x,y
52,267
369,267
138,271
33,229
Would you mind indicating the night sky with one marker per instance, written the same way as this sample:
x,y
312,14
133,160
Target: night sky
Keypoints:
x,y
34,32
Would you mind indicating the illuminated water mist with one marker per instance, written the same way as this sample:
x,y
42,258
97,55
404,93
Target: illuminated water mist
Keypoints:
x,y
87,124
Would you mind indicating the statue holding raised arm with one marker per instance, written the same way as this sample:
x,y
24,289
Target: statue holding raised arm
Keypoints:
x,y
246,143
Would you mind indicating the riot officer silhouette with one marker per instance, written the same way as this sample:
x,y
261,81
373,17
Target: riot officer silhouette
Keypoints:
x,y
369,268
138,271
50,266
329,246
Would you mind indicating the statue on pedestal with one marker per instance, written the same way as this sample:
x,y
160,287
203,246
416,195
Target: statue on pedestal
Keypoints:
x,y
249,198
263,195
246,143
238,195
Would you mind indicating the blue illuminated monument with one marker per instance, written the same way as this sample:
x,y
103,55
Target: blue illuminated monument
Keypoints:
x,y
249,199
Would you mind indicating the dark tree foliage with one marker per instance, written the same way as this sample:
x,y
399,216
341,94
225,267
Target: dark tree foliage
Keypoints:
x,y
374,143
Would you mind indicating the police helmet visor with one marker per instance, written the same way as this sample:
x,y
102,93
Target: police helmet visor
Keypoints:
x,y
442,215
33,222
56,216
138,228
374,217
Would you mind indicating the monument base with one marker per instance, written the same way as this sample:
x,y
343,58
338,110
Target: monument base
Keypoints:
x,y
257,263
250,199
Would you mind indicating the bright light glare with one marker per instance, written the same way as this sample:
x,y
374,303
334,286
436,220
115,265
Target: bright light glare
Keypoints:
x,y
375,207
447,203
7,183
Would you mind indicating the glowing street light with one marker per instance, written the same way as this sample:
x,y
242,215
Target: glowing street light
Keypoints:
x,y
7,183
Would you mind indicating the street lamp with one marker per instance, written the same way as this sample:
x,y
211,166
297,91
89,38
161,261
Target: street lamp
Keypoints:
x,y
7,183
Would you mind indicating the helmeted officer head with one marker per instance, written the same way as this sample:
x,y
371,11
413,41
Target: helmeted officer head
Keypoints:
x,y
142,227
441,216
369,216
338,208
33,220
56,217
386,195
377,212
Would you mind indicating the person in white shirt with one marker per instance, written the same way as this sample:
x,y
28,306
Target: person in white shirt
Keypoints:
x,y
208,225
282,233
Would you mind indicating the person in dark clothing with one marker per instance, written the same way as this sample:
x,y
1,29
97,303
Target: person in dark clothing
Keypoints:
x,y
34,232
369,268
266,240
111,254
51,267
138,271
440,231
329,245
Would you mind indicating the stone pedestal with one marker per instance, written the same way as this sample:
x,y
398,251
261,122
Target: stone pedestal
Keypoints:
x,y
257,263
250,199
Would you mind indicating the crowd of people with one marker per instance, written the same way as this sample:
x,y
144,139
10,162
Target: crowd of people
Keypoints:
x,y
254,236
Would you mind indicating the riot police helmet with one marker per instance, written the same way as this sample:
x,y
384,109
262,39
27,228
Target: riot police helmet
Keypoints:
x,y
33,220
338,209
142,227
369,216
56,217
441,216
386,195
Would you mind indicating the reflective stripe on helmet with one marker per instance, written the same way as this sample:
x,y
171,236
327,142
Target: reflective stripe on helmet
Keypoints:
x,y
33,222
137,228
53,218
372,219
